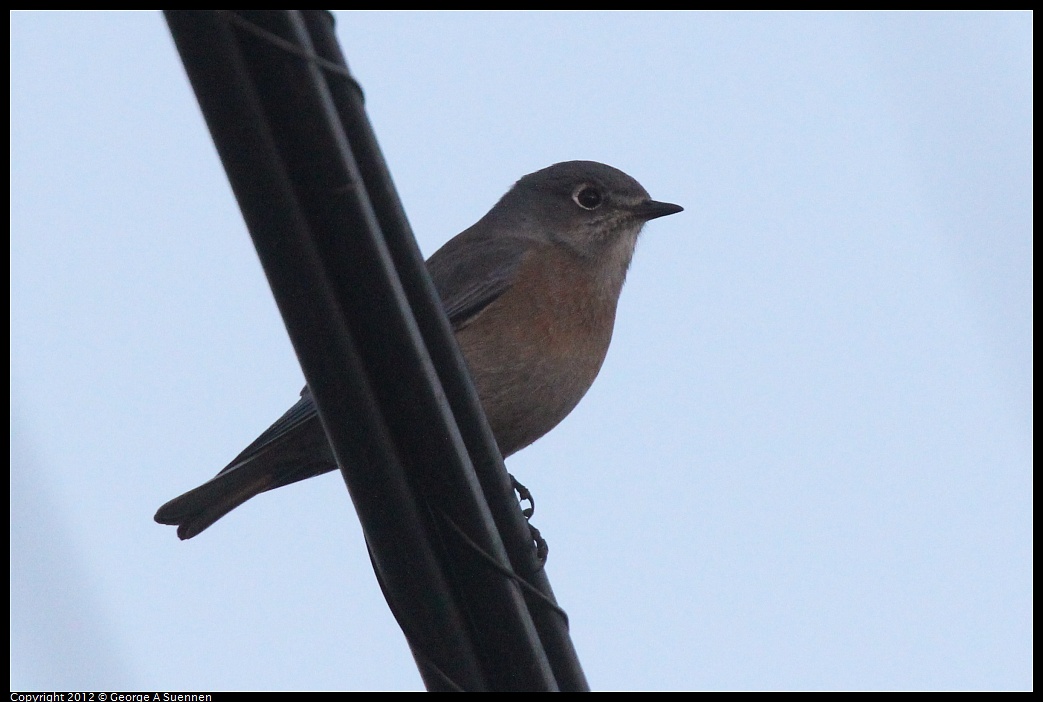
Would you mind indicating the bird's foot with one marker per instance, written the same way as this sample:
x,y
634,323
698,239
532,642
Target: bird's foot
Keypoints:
x,y
525,496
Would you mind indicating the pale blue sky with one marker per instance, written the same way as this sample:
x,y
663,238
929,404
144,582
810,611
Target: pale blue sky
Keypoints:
x,y
807,462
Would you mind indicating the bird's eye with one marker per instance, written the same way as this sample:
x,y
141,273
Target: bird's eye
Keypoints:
x,y
588,197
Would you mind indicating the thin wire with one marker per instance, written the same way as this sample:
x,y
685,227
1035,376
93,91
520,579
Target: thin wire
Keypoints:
x,y
291,48
506,572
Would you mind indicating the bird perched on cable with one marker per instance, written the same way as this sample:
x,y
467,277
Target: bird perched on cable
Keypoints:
x,y
531,292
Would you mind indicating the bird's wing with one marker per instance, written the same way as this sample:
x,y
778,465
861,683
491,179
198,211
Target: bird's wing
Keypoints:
x,y
470,272
302,412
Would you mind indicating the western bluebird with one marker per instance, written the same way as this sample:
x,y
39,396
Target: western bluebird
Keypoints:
x,y
531,292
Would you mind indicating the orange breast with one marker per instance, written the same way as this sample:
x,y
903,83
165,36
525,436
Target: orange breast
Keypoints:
x,y
536,350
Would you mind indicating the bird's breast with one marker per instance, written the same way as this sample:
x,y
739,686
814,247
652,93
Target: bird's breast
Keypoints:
x,y
535,351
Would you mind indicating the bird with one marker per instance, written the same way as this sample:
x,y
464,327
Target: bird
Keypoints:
x,y
530,291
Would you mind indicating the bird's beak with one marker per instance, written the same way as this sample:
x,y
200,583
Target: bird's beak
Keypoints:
x,y
652,209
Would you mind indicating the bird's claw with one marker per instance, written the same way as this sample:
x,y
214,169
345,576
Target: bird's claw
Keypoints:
x,y
525,496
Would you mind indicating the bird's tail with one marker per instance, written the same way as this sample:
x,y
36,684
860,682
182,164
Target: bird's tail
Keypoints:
x,y
292,449
199,508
